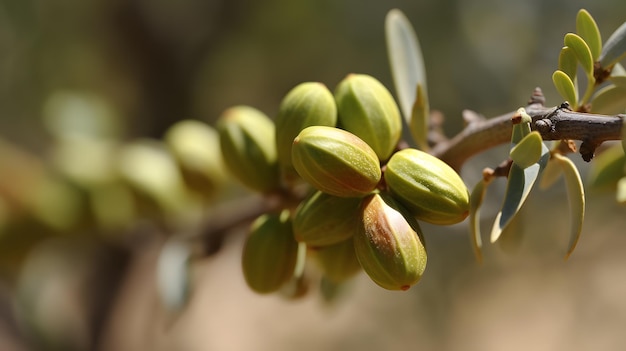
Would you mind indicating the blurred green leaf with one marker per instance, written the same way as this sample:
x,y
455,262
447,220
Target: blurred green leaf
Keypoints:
x,y
588,29
528,150
576,197
582,51
607,168
609,100
620,195
550,174
407,65
614,48
476,200
568,62
565,87
618,75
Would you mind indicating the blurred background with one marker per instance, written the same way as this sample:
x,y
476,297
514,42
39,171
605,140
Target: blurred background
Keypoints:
x,y
85,84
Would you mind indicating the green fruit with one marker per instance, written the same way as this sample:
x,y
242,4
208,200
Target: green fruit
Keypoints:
x,y
388,246
367,109
338,262
430,189
325,219
248,148
270,253
308,104
335,161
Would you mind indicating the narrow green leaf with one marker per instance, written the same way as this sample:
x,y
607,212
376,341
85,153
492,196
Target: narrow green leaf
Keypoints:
x,y
568,62
607,168
419,119
550,175
609,100
405,58
588,29
519,185
615,47
582,51
565,87
476,200
576,197
618,75
528,151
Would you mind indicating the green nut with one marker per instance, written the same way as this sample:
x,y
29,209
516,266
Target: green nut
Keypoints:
x,y
335,161
430,189
270,253
325,219
308,104
196,147
367,109
338,262
248,148
389,245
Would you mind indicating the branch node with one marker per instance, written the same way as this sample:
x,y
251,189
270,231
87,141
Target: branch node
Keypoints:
x,y
587,150
537,97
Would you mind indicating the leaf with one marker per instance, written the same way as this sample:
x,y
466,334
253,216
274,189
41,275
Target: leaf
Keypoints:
x,y
588,29
568,62
172,274
582,51
550,175
576,197
476,200
419,119
564,85
618,75
609,100
620,195
407,63
614,48
519,184
607,168
528,150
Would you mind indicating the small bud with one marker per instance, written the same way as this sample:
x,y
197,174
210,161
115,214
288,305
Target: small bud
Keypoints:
x,y
248,148
367,109
430,189
270,253
388,246
338,262
325,219
308,104
335,161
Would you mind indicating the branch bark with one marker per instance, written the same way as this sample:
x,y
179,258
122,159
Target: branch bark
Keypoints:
x,y
557,123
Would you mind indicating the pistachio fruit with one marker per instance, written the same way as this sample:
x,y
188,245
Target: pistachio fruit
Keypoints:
x,y
270,253
248,148
308,104
335,161
338,262
430,189
367,109
324,219
389,244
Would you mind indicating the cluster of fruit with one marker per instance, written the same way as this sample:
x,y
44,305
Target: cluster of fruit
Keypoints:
x,y
366,197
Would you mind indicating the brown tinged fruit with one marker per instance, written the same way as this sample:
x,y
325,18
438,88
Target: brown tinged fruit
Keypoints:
x,y
270,253
367,109
324,219
427,187
338,262
389,245
248,148
308,104
335,161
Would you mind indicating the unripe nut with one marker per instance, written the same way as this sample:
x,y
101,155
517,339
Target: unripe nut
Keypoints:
x,y
308,104
270,252
338,262
430,189
389,245
325,219
335,161
367,109
247,142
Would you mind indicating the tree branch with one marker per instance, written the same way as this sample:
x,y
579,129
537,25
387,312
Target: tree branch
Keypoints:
x,y
558,123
